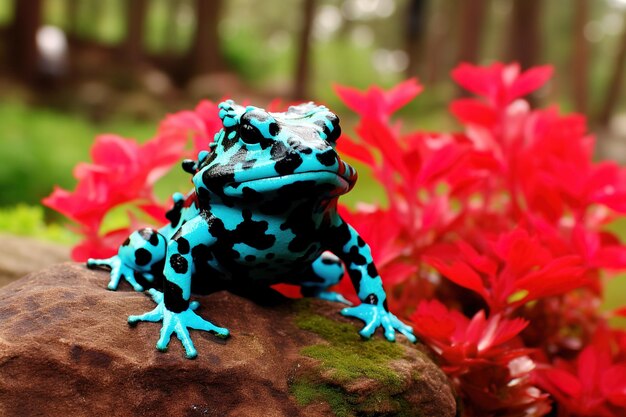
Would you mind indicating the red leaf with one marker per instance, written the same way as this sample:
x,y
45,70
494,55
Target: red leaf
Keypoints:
x,y
355,150
557,277
470,111
613,384
377,103
562,381
479,80
459,273
401,94
529,81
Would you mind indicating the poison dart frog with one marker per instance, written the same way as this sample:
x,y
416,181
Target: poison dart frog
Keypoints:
x,y
263,211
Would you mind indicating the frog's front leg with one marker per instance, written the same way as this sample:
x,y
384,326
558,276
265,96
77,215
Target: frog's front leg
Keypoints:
x,y
143,250
173,306
356,255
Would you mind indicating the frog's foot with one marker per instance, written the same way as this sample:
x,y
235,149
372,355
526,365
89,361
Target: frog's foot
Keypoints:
x,y
119,270
333,296
375,316
177,323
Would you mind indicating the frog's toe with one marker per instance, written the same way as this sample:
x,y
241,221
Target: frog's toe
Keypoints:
x,y
129,275
156,295
406,330
334,297
185,339
95,263
198,323
114,264
375,316
166,333
366,313
119,270
390,331
117,273
153,316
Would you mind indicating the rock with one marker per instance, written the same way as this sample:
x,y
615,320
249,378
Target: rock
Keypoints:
x,y
66,349
22,255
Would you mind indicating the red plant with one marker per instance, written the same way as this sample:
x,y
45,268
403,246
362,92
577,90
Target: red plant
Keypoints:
x,y
123,172
504,223
493,243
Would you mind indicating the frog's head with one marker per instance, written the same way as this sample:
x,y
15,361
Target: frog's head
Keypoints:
x,y
259,153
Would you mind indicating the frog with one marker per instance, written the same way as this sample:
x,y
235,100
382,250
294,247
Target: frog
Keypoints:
x,y
263,211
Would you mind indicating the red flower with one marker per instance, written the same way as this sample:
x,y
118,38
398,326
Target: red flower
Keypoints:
x,y
508,272
200,124
461,341
377,103
100,247
122,171
593,385
407,165
499,83
484,357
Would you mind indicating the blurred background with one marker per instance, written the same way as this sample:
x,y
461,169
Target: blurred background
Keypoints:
x,y
70,69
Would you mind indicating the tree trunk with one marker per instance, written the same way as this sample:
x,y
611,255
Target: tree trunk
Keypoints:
x,y
442,19
172,31
93,19
303,64
205,53
472,20
614,87
72,10
580,56
416,35
525,36
136,11
26,22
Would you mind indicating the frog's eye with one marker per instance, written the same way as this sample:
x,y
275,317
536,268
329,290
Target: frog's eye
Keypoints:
x,y
250,134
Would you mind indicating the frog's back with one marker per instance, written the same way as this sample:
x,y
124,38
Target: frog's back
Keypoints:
x,y
266,247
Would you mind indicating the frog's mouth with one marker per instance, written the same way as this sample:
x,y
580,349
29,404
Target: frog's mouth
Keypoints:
x,y
296,185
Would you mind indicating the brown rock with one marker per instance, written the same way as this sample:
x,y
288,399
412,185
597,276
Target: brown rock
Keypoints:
x,y
22,255
65,349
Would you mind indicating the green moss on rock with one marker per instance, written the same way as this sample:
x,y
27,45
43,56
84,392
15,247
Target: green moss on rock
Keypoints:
x,y
307,392
344,359
347,355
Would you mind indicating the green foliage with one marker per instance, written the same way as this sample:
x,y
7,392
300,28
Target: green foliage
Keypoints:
x,y
40,148
616,283
29,221
6,12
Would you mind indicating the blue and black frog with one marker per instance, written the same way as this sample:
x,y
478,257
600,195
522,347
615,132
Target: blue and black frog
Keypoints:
x,y
263,211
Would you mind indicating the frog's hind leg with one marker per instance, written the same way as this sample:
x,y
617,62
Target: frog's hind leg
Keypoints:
x,y
324,272
138,260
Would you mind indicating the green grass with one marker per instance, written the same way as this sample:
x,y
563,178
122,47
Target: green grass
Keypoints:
x,y
25,220
40,148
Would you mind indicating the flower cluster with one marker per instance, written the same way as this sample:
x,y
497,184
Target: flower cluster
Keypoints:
x,y
496,243
123,174
493,242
